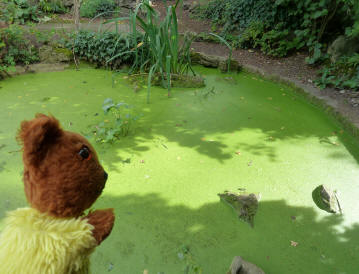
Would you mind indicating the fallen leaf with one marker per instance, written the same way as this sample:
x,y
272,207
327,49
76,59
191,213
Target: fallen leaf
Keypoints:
x,y
147,176
178,125
292,243
284,94
238,152
269,98
145,271
250,163
282,128
293,218
203,139
142,161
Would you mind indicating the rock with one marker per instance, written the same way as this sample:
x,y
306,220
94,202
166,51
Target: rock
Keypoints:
x,y
326,199
245,205
52,54
194,6
186,5
129,4
342,91
213,61
240,266
68,3
343,46
234,65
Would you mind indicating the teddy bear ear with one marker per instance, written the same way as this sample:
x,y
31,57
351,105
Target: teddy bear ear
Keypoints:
x,y
37,135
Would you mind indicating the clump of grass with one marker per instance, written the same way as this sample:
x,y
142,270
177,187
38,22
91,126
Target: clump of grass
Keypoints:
x,y
165,55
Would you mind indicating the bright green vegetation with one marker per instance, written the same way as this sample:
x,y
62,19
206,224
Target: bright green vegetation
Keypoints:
x,y
92,8
15,48
239,132
281,27
22,11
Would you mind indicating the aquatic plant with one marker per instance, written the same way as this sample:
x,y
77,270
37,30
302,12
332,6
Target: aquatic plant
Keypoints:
x,y
119,123
165,55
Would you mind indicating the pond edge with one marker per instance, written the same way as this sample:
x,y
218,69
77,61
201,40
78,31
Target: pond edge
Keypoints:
x,y
339,111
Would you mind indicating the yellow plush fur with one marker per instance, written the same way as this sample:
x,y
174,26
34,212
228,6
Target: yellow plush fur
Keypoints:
x,y
36,243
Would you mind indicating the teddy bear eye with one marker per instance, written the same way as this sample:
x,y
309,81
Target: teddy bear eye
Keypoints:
x,y
84,153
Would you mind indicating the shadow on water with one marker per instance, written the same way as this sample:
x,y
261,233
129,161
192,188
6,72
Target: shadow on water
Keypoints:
x,y
149,233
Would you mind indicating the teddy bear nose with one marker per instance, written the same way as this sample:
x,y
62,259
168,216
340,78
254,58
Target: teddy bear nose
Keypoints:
x,y
105,175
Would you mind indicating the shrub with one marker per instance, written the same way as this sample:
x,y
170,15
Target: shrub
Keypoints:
x,y
92,8
278,26
98,48
344,73
52,6
19,11
15,49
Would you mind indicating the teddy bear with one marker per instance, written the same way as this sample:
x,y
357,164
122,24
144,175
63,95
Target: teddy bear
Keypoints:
x,y
62,178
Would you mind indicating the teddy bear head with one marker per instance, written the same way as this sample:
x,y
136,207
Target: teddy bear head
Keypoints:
x,y
62,174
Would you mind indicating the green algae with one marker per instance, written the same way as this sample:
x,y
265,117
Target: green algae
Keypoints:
x,y
247,132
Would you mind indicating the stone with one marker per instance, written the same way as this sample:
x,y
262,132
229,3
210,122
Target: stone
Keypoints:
x,y
52,54
186,5
343,46
326,199
213,61
244,205
129,4
342,91
223,65
240,266
68,3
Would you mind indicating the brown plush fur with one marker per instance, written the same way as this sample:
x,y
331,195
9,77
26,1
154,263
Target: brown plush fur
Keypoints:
x,y
57,179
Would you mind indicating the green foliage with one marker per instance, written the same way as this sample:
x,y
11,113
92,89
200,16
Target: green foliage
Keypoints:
x,y
342,74
92,8
15,49
98,48
280,26
19,11
165,54
120,121
52,6
238,14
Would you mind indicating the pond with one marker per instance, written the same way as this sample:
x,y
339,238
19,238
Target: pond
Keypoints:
x,y
240,131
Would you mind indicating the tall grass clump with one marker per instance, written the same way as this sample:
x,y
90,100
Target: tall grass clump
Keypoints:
x,y
165,56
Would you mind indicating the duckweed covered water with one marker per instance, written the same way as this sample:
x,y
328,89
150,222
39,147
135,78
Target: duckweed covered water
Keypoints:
x,y
239,132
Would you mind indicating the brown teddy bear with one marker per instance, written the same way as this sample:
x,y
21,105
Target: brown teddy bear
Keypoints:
x,y
62,178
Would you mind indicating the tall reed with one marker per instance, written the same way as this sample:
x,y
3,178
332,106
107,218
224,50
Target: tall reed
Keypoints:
x,y
160,50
